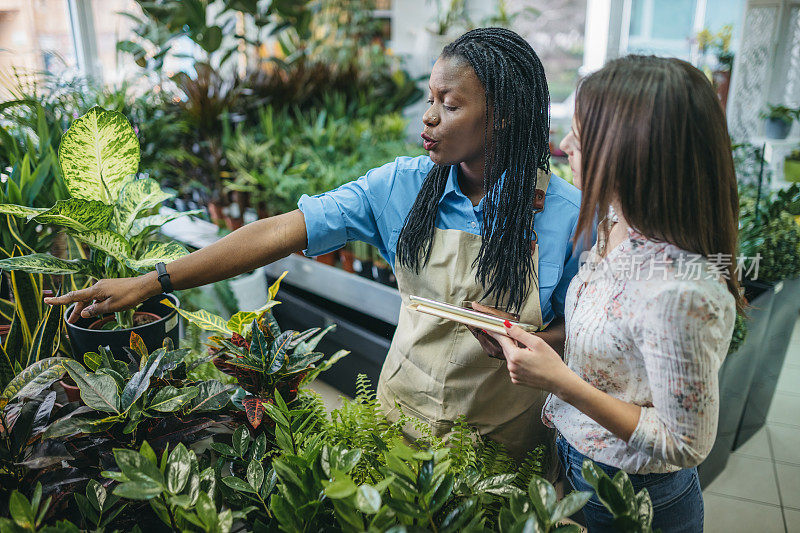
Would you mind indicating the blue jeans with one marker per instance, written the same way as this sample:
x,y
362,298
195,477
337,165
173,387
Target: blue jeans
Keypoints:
x,y
676,496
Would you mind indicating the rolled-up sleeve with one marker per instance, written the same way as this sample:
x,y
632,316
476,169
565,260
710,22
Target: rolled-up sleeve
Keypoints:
x,y
683,337
348,213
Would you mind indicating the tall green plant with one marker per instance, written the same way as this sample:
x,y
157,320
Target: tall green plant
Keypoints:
x,y
36,329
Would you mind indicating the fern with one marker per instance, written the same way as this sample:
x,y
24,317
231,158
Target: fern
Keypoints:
x,y
462,442
492,458
532,465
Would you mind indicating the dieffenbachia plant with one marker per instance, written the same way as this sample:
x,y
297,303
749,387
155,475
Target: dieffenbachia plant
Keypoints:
x,y
110,209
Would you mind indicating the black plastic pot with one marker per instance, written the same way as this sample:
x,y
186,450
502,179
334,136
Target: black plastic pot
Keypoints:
x,y
778,332
735,377
85,340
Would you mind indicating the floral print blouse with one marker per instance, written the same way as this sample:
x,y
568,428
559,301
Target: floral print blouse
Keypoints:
x,y
649,324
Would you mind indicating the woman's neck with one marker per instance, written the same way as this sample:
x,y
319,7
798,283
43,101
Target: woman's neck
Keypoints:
x,y
470,181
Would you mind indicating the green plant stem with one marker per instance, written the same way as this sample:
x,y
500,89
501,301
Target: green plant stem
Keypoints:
x,y
173,525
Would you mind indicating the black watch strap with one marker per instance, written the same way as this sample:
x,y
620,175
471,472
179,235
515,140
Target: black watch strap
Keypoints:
x,y
163,278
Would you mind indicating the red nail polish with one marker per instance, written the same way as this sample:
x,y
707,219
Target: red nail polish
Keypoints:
x,y
507,324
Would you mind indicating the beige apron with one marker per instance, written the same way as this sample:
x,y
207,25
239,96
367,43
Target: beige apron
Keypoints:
x,y
437,371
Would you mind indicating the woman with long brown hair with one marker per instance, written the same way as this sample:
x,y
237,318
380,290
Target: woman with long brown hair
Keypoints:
x,y
650,314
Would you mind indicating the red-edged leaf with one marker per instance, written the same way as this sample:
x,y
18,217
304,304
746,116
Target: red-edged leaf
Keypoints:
x,y
138,346
254,407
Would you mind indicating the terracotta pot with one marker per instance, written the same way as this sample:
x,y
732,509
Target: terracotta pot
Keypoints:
x,y
233,223
215,212
4,329
328,259
71,390
262,212
346,258
140,318
722,82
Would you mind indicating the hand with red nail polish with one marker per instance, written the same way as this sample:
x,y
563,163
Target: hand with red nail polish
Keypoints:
x,y
531,361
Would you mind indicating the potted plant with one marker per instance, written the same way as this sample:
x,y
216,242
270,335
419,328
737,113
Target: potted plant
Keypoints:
x,y
346,257
264,360
383,273
778,121
791,166
719,68
362,264
770,236
111,212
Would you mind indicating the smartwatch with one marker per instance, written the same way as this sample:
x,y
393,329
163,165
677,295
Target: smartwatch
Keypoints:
x,y
163,278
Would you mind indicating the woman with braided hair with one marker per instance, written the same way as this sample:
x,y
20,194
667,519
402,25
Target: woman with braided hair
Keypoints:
x,y
478,219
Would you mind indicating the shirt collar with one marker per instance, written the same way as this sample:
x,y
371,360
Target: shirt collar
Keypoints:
x,y
452,187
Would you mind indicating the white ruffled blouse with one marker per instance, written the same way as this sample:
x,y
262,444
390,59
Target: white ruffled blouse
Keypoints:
x,y
649,324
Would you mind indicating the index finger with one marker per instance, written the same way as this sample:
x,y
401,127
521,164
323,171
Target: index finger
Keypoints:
x,y
81,295
506,342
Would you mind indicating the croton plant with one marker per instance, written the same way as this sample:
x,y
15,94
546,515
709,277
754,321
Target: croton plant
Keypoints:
x,y
251,347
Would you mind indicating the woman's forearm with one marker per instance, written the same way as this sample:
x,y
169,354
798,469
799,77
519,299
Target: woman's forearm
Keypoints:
x,y
256,244
617,416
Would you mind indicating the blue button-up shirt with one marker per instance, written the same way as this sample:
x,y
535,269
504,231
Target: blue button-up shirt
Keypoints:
x,y
374,207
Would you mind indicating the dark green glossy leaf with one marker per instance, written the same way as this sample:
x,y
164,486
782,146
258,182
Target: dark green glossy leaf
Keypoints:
x,y
255,474
368,500
238,484
212,396
138,490
98,391
611,497
169,398
569,505
140,381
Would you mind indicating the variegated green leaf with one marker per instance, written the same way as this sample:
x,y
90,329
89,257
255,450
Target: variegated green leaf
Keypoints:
x,y
20,210
156,252
240,320
273,289
278,352
6,310
27,290
78,214
92,360
97,153
156,221
136,196
325,365
71,425
202,319
98,391
170,399
47,264
34,379
46,335
108,242
212,396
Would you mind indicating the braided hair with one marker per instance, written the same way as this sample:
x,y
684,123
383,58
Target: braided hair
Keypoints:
x,y
517,147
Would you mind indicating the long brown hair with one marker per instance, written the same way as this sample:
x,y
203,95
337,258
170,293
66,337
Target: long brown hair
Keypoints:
x,y
653,135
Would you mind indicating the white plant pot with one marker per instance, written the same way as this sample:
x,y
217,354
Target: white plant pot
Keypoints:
x,y
250,290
